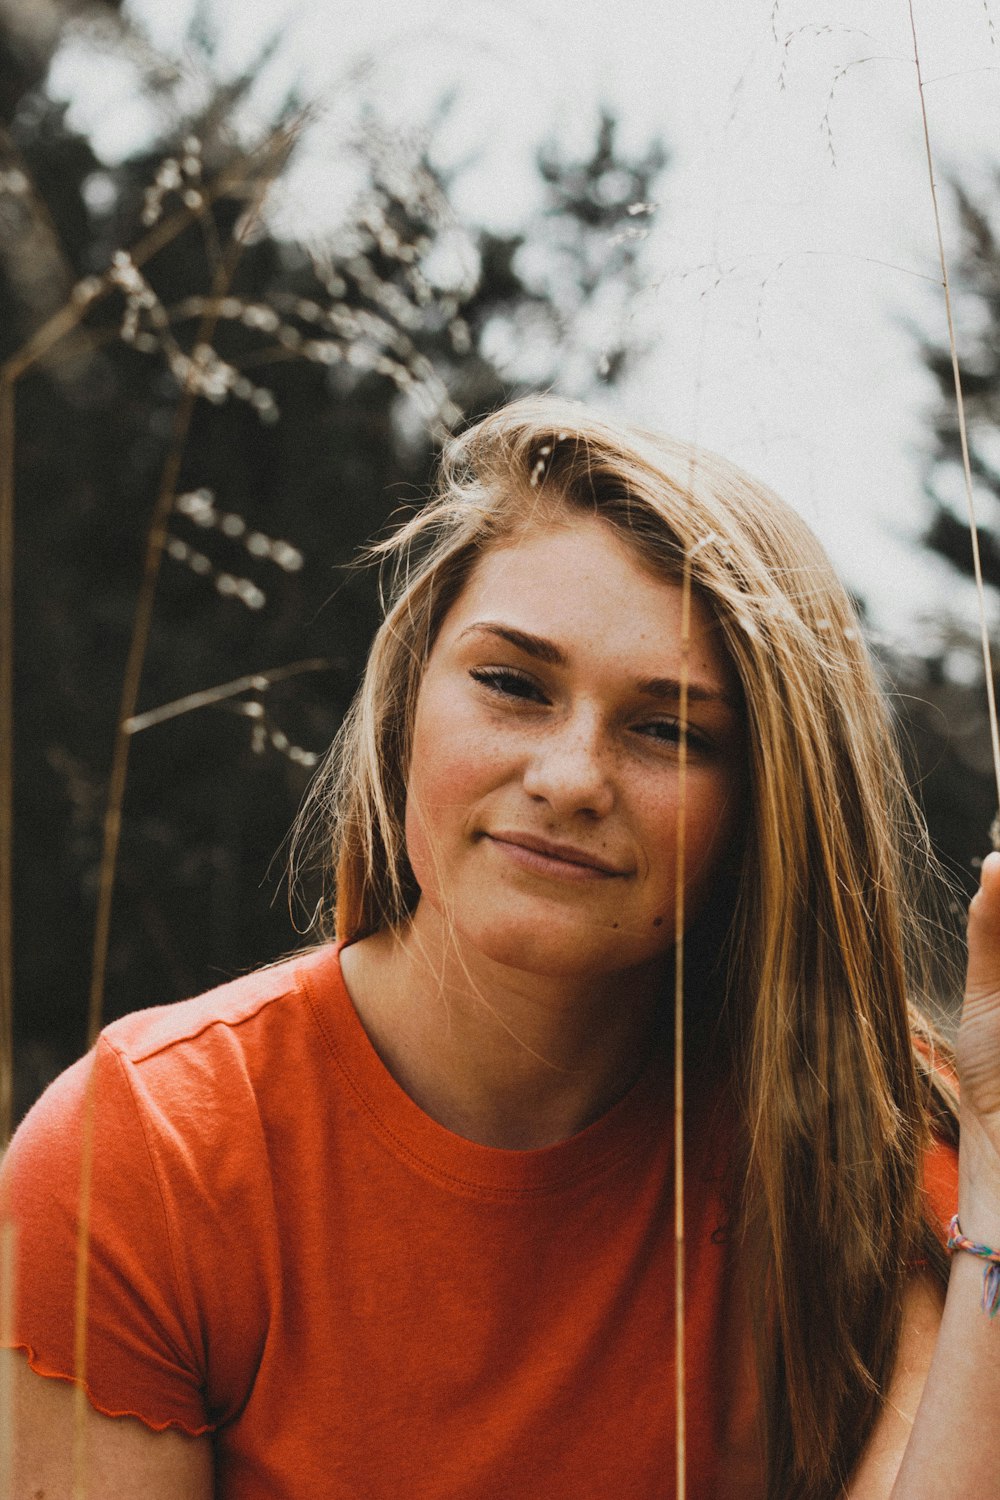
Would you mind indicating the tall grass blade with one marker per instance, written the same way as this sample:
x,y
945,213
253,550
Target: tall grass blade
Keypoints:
x,y
131,683
6,758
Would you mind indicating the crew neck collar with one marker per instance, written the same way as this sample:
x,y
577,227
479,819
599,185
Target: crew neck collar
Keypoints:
x,y
637,1123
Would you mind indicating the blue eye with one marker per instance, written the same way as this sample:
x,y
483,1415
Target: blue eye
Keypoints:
x,y
507,683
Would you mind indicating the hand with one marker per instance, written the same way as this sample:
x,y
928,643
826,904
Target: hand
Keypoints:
x,y
977,1047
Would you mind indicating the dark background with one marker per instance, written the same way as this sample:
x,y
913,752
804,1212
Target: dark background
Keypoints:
x,y
366,358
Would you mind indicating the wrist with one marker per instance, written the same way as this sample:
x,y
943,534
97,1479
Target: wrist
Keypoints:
x,y
979,1180
988,1257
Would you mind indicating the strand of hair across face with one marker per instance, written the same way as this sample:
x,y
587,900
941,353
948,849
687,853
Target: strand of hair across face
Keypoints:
x,y
679,873
962,425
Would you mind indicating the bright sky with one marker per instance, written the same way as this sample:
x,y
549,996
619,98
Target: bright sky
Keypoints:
x,y
793,241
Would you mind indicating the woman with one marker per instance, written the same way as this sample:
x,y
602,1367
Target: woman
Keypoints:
x,y
396,1218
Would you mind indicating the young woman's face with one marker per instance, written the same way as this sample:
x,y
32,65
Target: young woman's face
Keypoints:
x,y
544,789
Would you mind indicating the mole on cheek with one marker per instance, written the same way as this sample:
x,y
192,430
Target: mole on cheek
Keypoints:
x,y
657,921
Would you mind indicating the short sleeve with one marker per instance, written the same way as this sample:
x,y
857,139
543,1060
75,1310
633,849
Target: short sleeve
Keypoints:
x,y
939,1170
142,1348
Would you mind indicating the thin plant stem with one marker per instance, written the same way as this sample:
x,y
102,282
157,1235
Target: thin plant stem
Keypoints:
x,y
155,544
7,1229
254,682
680,1318
142,622
963,431
6,759
141,627
131,681
269,161
8,1245
80,1424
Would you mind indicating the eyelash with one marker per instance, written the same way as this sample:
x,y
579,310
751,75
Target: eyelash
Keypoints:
x,y
505,681
508,683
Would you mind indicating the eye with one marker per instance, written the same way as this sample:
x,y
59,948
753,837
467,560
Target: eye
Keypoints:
x,y
507,683
668,732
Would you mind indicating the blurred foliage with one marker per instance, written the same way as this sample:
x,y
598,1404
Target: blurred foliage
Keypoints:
x,y
332,370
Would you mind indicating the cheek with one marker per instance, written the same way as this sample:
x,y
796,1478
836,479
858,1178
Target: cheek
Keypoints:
x,y
712,809
451,772
426,817
714,816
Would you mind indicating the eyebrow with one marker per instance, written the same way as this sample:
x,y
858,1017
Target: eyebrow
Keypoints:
x,y
666,688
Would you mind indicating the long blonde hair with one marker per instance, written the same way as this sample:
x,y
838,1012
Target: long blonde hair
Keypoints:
x,y
826,975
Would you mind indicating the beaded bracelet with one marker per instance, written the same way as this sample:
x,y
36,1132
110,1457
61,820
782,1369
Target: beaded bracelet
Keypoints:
x,y
991,1271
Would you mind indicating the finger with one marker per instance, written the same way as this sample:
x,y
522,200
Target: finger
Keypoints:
x,y
984,931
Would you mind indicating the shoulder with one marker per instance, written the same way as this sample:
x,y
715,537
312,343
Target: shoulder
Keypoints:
x,y
173,1084
236,1073
274,996
180,1120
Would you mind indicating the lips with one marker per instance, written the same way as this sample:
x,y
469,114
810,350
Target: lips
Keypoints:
x,y
568,854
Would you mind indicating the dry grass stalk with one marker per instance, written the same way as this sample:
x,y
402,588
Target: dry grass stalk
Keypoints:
x,y
141,626
8,1243
963,431
6,902
6,759
254,682
367,340
264,164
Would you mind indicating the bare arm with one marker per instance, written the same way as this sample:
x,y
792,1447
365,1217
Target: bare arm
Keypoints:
x,y
953,1444
954,1447
123,1457
880,1465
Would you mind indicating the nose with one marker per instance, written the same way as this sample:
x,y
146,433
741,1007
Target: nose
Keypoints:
x,y
570,768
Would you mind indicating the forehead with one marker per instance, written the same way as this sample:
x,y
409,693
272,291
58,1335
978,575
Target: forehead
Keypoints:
x,y
578,583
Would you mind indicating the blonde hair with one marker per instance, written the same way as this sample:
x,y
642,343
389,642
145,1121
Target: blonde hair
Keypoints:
x,y
825,975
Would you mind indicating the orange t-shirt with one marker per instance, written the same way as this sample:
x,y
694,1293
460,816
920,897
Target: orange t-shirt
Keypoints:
x,y
286,1251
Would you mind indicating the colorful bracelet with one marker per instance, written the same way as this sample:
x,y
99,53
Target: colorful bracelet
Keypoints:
x,y
991,1271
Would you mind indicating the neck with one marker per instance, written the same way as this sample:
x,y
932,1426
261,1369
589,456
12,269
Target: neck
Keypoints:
x,y
498,1055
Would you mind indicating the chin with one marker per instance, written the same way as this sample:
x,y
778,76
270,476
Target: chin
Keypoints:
x,y
554,954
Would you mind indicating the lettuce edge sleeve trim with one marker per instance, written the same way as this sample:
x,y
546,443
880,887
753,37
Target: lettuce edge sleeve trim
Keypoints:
x,y
37,1364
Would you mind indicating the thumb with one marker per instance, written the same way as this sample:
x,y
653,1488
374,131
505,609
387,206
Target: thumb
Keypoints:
x,y
983,975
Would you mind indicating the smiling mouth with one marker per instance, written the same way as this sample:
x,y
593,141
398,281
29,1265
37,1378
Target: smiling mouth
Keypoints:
x,y
546,857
